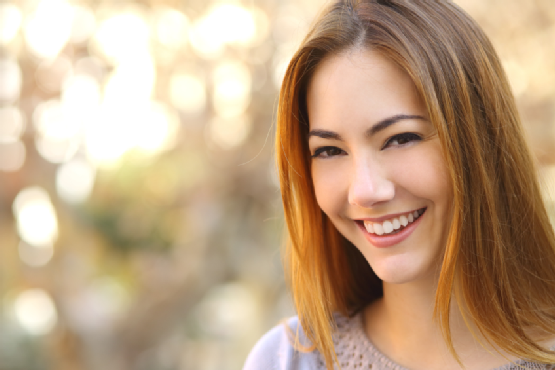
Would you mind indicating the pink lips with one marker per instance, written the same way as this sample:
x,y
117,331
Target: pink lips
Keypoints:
x,y
385,241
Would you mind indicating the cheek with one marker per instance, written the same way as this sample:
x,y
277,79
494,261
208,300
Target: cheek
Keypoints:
x,y
330,186
424,173
440,182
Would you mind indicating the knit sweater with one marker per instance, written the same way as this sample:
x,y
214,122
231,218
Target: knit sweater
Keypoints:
x,y
274,351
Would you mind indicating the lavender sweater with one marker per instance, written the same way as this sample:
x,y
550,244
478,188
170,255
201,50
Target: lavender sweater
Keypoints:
x,y
274,351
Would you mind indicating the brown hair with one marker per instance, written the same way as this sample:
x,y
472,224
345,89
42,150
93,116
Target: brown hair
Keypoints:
x,y
500,256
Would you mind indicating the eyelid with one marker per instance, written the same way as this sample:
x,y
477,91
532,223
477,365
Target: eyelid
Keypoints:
x,y
321,149
412,135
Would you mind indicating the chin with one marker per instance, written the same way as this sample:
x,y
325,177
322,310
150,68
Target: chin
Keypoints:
x,y
402,270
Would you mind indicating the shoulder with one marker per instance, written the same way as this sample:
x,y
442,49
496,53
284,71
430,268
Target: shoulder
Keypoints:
x,y
275,350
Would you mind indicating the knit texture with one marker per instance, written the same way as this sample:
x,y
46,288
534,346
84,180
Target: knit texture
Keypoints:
x,y
353,348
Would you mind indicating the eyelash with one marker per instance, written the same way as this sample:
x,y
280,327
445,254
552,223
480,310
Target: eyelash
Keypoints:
x,y
405,136
401,139
325,149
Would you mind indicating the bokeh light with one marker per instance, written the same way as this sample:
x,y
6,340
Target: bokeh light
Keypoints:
x,y
232,89
234,24
12,123
205,40
224,24
108,138
131,82
48,28
37,222
75,180
228,133
57,133
150,127
187,93
123,37
171,27
261,25
80,96
156,128
10,21
10,75
83,26
35,311
12,149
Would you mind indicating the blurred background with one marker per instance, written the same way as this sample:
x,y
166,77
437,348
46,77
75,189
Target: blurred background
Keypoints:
x,y
140,215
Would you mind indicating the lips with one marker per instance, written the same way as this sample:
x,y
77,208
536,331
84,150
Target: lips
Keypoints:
x,y
387,232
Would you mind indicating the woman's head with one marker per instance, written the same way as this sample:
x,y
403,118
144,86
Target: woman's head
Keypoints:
x,y
467,101
377,166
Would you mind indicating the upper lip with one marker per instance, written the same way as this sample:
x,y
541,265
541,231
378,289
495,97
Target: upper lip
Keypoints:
x,y
386,217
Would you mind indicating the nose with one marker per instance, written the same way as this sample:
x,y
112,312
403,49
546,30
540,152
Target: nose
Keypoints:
x,y
370,185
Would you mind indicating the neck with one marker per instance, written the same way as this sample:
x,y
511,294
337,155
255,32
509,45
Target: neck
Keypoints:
x,y
402,326
405,311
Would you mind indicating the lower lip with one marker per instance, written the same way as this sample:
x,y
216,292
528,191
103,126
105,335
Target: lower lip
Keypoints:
x,y
385,241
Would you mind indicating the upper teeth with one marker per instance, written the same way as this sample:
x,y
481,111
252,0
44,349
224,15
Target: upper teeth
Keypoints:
x,y
388,226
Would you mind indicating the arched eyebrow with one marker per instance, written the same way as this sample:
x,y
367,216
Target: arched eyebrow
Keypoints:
x,y
380,126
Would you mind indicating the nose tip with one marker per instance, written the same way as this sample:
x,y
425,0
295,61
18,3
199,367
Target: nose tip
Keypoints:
x,y
369,188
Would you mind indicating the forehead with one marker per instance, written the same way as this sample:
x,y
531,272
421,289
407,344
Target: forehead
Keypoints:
x,y
360,85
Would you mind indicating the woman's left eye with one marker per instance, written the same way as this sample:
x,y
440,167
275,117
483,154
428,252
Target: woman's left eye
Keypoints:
x,y
401,139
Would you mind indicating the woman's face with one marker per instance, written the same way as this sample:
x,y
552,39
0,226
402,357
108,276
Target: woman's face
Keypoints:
x,y
377,165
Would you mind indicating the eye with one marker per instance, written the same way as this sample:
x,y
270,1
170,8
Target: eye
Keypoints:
x,y
327,152
401,139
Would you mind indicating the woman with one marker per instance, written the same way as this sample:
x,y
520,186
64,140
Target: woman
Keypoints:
x,y
417,233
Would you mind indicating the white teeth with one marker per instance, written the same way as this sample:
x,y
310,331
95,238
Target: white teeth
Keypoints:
x,y
396,224
389,226
378,229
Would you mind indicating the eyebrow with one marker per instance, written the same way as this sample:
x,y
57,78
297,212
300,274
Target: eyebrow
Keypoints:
x,y
380,126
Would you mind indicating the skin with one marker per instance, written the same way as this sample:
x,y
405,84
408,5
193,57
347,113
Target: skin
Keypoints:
x,y
399,167
395,170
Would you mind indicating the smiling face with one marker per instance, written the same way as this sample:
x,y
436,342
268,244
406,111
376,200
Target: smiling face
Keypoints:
x,y
377,165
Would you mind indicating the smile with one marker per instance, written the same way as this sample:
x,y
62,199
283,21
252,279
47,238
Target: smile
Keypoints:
x,y
388,232
393,225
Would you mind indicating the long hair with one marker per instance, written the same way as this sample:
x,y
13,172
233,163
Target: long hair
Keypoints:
x,y
499,261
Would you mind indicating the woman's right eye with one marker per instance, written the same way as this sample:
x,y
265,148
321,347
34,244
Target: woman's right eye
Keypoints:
x,y
327,151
